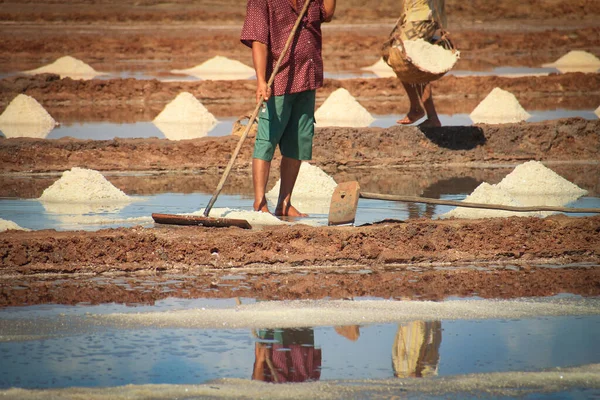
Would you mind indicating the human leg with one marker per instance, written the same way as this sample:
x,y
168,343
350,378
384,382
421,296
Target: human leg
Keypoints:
x,y
260,177
415,111
432,116
296,146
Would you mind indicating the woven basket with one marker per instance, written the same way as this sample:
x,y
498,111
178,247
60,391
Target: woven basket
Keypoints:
x,y
405,69
240,125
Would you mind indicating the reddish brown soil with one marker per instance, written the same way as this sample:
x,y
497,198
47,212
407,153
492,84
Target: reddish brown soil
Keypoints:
x,y
414,259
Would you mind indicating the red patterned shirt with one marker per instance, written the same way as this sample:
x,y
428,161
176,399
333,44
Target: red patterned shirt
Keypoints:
x,y
270,22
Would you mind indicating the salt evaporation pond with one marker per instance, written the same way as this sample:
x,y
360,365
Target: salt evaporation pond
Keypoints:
x,y
193,342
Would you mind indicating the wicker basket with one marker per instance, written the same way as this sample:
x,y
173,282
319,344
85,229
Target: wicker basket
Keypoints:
x,y
406,71
240,125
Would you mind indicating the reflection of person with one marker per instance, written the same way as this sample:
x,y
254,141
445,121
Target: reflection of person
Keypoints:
x,y
287,120
416,351
420,19
289,355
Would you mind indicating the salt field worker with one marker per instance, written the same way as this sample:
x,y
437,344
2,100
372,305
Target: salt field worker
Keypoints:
x,y
420,19
287,118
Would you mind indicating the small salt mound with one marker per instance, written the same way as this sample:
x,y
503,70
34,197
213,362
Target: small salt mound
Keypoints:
x,y
68,66
430,57
185,118
25,117
381,69
597,112
576,61
6,225
254,218
533,184
341,109
81,185
499,107
312,192
219,68
488,194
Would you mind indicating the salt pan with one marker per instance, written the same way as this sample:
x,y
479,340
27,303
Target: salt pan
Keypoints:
x,y
312,192
499,107
219,68
25,117
68,66
6,225
81,185
430,57
576,61
185,118
381,69
341,109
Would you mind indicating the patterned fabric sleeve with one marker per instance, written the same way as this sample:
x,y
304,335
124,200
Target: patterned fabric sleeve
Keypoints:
x,y
256,24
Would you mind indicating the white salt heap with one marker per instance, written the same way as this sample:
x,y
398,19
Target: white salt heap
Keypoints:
x,y
81,185
499,107
430,57
254,218
219,68
25,117
576,61
312,192
341,109
533,184
597,112
529,184
185,118
68,66
381,69
6,225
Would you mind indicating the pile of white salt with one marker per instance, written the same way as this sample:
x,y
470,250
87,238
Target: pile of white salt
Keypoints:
x,y
80,185
185,118
25,117
254,218
529,184
597,112
68,66
342,109
430,57
381,69
6,225
312,192
219,68
576,61
499,107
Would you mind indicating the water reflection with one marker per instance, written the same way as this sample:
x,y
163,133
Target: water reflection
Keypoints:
x,y
416,349
286,355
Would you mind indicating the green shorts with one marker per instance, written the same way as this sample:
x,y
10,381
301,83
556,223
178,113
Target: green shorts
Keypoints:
x,y
288,121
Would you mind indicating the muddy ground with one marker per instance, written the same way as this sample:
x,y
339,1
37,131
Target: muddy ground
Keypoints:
x,y
418,258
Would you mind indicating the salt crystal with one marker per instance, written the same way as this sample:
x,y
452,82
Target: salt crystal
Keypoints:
x,y
430,57
25,117
341,109
533,184
81,185
576,61
219,68
499,107
8,225
185,118
312,192
68,66
381,69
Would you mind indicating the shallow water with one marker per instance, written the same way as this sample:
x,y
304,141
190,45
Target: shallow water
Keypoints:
x,y
55,346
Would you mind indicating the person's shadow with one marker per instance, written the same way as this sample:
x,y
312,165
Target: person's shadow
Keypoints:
x,y
455,137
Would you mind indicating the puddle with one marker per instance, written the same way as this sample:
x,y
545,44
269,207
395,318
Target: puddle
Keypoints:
x,y
101,346
224,127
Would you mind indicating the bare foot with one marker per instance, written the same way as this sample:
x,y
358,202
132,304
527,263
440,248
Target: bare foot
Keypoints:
x,y
411,117
430,123
261,206
288,210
